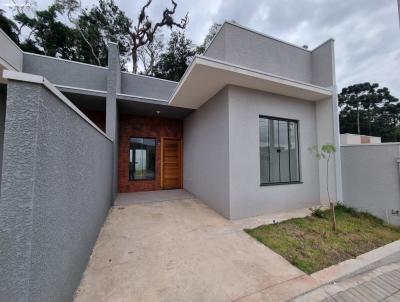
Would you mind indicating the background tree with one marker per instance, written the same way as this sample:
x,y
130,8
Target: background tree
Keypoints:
x,y
150,54
85,37
174,62
367,109
102,24
145,30
47,35
9,27
22,7
96,27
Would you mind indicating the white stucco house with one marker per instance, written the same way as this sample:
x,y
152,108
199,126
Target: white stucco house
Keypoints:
x,y
248,109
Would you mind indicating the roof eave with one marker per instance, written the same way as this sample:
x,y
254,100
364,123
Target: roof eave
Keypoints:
x,y
206,76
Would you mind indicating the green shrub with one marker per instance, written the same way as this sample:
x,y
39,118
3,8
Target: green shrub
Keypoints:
x,y
319,213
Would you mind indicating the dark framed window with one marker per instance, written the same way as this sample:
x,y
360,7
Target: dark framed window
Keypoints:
x,y
279,151
142,158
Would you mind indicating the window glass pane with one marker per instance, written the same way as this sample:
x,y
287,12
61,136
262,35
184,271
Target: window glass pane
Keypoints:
x,y
284,151
142,158
264,150
279,154
294,152
274,162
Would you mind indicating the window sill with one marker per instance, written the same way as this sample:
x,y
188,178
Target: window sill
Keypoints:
x,y
280,183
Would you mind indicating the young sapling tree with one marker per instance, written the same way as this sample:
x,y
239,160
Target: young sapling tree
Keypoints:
x,y
325,153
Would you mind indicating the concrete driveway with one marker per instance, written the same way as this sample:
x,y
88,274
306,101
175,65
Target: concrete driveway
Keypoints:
x,y
178,249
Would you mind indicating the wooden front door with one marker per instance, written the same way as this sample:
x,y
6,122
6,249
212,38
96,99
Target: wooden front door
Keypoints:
x,y
171,163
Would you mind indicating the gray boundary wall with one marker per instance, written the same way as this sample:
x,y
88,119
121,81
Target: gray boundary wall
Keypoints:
x,y
65,72
56,192
144,86
371,179
2,121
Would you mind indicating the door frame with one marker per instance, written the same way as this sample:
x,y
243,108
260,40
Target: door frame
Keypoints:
x,y
180,140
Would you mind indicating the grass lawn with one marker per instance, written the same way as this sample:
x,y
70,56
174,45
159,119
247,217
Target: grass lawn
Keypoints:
x,y
310,244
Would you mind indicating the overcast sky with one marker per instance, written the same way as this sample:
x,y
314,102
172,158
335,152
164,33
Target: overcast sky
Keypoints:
x,y
366,32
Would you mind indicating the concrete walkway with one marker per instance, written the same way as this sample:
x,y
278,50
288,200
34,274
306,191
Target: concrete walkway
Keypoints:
x,y
380,284
181,250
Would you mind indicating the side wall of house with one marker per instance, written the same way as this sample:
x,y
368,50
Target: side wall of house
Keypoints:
x,y
247,197
325,135
371,179
206,153
327,115
56,191
322,65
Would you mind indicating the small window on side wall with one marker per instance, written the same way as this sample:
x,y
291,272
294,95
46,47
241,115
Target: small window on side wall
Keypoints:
x,y
279,151
142,158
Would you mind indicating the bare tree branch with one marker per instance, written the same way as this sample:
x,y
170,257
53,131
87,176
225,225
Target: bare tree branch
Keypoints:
x,y
22,8
150,54
72,6
144,32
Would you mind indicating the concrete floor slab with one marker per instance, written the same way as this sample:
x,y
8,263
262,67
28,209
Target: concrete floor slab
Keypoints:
x,y
181,250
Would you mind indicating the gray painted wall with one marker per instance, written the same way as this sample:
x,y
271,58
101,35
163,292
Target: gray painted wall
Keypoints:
x,y
56,191
3,97
217,47
322,63
248,48
74,74
67,73
10,55
222,159
241,46
138,85
112,115
206,153
371,179
247,197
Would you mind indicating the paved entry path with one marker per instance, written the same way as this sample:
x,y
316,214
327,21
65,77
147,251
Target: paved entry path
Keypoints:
x,y
178,249
381,284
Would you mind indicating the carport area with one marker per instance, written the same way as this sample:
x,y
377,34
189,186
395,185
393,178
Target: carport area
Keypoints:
x,y
169,246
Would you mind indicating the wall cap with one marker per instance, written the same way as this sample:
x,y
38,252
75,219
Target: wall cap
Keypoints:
x,y
378,144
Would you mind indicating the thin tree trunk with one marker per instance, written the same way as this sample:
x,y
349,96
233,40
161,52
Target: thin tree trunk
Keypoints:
x,y
333,216
90,46
358,119
134,61
332,206
76,23
369,121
